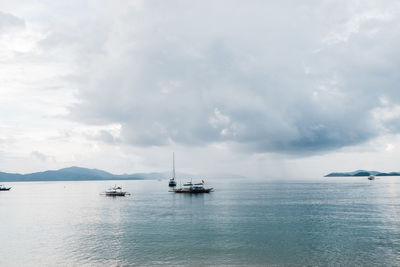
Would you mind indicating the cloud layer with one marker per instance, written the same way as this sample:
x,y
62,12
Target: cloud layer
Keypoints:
x,y
288,77
291,77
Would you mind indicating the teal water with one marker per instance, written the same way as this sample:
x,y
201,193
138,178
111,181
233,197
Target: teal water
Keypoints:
x,y
345,221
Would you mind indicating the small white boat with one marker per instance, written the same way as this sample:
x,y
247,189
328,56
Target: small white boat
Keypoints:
x,y
115,192
371,177
191,188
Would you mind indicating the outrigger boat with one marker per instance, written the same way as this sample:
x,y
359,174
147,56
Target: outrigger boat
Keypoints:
x,y
191,188
115,192
172,182
3,188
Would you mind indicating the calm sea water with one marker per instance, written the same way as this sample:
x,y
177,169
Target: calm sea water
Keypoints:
x,y
322,222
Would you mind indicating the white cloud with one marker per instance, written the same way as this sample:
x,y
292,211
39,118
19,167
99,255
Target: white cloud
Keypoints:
x,y
218,119
344,31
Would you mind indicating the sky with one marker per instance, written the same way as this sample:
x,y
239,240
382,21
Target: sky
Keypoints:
x,y
262,89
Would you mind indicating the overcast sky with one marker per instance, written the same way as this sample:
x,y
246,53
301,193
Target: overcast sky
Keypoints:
x,y
265,89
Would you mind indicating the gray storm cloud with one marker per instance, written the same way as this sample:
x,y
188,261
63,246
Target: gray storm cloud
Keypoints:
x,y
293,77
8,21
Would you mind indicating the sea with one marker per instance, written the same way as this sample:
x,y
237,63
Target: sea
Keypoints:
x,y
247,222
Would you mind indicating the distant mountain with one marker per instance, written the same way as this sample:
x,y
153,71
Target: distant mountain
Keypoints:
x,y
361,173
388,174
77,174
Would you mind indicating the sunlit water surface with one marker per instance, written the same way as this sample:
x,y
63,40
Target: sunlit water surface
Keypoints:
x,y
345,221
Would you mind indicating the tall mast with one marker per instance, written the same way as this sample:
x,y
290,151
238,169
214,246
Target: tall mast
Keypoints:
x,y
173,165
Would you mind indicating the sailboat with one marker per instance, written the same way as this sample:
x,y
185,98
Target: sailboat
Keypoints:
x,y
172,182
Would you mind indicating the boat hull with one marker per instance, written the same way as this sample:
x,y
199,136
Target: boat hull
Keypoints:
x,y
5,189
189,191
116,194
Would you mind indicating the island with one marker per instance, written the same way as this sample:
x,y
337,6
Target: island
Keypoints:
x,y
361,173
77,174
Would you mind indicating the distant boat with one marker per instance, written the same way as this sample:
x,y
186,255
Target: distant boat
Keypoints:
x,y
172,182
191,188
3,188
371,177
115,192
